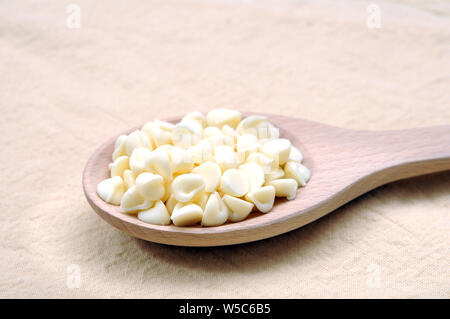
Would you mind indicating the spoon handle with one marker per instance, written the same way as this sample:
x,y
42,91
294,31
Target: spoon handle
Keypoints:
x,y
408,153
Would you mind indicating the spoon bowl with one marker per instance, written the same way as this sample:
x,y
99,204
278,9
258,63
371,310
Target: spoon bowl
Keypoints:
x,y
344,165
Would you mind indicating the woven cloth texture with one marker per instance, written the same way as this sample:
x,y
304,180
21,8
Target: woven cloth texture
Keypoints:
x,y
64,91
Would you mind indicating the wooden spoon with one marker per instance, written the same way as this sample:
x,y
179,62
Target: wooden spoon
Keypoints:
x,y
344,164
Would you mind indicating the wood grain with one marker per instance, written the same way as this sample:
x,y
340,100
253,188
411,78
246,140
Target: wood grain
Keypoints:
x,y
344,164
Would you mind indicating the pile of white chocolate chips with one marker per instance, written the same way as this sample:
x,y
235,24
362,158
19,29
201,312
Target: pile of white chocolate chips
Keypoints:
x,y
203,170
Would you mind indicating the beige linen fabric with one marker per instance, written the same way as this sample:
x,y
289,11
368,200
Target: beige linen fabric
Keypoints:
x,y
65,91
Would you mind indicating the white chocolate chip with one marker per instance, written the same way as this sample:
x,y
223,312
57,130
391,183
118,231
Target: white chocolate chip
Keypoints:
x,y
298,172
186,134
231,132
234,183
119,147
186,214
137,139
258,126
138,159
295,155
239,209
170,204
119,166
167,191
285,187
156,134
254,174
221,140
268,133
250,124
211,173
246,145
133,201
150,186
195,116
263,198
202,152
201,199
157,215
221,117
217,137
225,157
111,190
278,150
262,160
159,163
212,131
165,126
185,187
129,178
165,148
216,212
181,160
120,141
275,173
